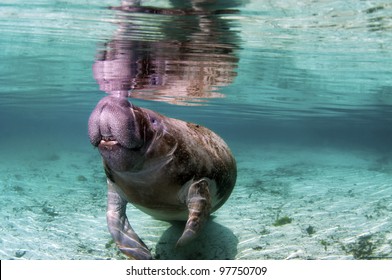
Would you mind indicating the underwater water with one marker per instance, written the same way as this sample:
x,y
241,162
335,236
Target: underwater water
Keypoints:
x,y
300,90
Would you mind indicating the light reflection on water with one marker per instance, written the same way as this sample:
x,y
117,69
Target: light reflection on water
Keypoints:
x,y
180,56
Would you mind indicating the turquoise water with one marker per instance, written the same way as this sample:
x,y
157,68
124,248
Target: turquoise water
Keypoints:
x,y
300,90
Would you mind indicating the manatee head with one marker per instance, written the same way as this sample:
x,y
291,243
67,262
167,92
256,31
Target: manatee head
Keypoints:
x,y
118,129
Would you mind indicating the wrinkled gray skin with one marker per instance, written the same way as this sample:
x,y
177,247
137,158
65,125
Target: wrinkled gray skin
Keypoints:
x,y
168,168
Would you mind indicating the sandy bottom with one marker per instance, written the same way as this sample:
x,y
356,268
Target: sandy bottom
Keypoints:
x,y
289,203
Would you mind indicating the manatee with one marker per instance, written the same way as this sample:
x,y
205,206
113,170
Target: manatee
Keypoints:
x,y
168,168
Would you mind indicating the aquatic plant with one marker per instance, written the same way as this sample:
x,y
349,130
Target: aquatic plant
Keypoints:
x,y
310,230
282,221
264,231
258,248
18,189
362,249
325,244
110,244
81,178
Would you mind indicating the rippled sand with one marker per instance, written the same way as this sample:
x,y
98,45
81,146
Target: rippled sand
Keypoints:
x,y
289,203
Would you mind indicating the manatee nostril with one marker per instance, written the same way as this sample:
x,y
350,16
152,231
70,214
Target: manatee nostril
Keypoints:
x,y
108,138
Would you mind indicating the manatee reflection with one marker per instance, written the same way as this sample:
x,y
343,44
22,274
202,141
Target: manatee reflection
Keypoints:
x,y
178,55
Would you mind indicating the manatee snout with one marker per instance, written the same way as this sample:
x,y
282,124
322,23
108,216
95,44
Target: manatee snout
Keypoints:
x,y
113,119
113,128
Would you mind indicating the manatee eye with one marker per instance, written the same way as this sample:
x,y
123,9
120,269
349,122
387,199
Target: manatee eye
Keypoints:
x,y
154,122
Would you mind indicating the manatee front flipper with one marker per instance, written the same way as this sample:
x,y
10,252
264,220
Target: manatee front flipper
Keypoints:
x,y
120,229
199,206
